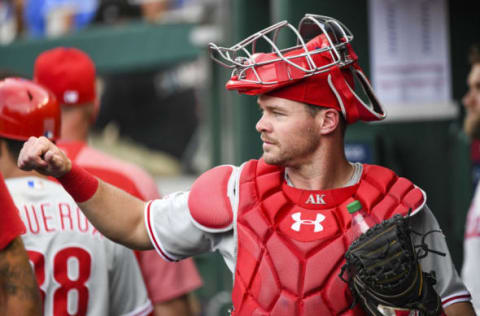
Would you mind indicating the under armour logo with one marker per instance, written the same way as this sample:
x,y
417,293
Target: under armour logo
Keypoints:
x,y
297,217
315,199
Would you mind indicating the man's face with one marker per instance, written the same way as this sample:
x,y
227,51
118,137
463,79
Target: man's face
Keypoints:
x,y
471,101
289,132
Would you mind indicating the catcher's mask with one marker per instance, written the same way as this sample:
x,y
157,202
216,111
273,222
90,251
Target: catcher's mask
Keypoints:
x,y
320,69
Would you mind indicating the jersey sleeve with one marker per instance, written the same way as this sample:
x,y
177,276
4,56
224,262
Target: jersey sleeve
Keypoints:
x,y
471,252
128,294
11,225
172,230
176,235
449,285
168,280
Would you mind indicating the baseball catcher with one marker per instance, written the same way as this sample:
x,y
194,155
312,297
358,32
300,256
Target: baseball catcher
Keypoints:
x,y
281,222
385,275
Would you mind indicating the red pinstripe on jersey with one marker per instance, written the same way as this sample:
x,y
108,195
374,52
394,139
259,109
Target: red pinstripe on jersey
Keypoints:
x,y
156,243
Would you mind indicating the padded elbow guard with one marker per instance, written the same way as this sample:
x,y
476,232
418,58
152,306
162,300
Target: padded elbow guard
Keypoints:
x,y
209,202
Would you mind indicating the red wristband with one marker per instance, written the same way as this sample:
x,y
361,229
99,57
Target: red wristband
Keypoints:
x,y
80,184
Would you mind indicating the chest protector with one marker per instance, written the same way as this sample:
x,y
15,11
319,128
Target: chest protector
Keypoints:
x,y
291,242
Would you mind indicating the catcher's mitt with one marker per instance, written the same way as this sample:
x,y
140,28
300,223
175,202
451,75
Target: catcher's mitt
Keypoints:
x,y
384,271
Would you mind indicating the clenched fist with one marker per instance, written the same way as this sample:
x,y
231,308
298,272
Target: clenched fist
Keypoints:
x,y
41,155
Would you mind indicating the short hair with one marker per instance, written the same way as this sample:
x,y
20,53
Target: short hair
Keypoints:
x,y
7,73
14,146
314,109
474,54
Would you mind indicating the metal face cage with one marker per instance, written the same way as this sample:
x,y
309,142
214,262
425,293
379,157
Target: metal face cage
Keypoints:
x,y
242,57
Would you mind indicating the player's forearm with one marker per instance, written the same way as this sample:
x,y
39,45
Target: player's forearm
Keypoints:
x,y
117,215
19,293
460,309
180,306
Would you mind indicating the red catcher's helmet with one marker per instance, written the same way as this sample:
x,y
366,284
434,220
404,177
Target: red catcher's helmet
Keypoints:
x,y
320,68
27,109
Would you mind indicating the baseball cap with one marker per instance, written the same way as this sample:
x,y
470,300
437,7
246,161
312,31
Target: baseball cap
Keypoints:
x,y
69,73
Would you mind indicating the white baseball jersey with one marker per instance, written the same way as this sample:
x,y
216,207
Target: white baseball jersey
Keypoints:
x,y
471,246
79,271
176,235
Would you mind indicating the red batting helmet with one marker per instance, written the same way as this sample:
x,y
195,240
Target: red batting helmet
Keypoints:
x,y
319,69
27,109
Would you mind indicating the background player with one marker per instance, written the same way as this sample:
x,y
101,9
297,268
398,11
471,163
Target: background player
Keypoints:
x,y
19,293
471,126
70,74
79,271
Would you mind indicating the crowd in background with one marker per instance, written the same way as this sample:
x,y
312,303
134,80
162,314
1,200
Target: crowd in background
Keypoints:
x,y
39,18
160,92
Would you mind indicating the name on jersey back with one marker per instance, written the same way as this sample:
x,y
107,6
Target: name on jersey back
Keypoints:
x,y
52,217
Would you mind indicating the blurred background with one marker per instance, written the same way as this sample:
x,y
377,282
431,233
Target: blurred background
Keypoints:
x,y
164,105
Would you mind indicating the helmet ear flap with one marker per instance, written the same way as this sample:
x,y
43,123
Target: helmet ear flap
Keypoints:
x,y
373,110
351,104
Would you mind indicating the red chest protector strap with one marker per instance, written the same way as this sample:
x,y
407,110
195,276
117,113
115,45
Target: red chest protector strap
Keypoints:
x,y
209,202
383,193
